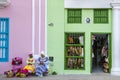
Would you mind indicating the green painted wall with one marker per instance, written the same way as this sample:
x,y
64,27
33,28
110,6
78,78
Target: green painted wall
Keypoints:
x,y
57,15
55,34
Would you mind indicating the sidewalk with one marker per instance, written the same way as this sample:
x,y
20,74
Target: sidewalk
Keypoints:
x,y
68,77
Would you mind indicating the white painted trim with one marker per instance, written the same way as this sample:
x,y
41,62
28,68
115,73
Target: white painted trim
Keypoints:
x,y
33,25
4,3
115,39
87,3
46,26
39,43
115,5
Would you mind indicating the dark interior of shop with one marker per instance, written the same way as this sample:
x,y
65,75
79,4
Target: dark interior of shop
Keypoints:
x,y
100,53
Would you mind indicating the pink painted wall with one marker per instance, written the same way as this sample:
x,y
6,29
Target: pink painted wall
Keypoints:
x,y
20,39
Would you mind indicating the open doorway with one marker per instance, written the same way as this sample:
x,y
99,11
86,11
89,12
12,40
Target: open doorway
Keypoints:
x,y
101,52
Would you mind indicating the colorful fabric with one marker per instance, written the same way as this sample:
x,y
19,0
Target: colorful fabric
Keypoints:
x,y
30,68
104,50
41,66
16,67
30,65
17,61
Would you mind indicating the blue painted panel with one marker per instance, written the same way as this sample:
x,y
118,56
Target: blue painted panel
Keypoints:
x,y
4,39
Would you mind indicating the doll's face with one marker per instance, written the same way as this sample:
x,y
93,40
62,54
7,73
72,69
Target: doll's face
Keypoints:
x,y
30,56
42,55
30,60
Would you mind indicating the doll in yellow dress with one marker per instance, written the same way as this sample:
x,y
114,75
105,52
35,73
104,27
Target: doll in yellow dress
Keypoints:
x,y
30,64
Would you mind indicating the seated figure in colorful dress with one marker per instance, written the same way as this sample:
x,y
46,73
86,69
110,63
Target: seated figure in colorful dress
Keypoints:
x,y
42,65
30,64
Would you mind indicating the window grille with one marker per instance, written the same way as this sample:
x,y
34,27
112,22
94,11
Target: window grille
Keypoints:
x,y
4,39
100,15
74,15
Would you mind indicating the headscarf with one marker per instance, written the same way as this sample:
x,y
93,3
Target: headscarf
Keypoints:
x,y
42,52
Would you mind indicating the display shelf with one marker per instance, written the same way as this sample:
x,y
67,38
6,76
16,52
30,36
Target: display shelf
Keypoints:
x,y
74,45
74,56
74,51
74,63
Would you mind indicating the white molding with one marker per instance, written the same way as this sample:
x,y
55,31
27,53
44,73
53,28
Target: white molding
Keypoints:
x,y
115,5
115,71
115,39
4,3
46,26
87,4
33,25
39,43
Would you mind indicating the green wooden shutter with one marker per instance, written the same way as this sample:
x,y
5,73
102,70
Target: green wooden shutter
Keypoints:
x,y
74,16
100,15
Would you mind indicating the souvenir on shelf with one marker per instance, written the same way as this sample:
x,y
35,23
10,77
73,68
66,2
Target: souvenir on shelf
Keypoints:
x,y
70,40
81,39
74,50
75,63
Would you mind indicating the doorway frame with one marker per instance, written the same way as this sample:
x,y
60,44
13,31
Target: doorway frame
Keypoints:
x,y
110,51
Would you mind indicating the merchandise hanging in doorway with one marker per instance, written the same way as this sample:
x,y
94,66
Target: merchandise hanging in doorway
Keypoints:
x,y
100,52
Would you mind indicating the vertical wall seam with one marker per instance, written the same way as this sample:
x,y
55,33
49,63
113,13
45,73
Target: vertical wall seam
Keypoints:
x,y
39,43
33,25
46,26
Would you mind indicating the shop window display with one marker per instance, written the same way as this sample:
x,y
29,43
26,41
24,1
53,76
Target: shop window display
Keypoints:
x,y
75,63
74,51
